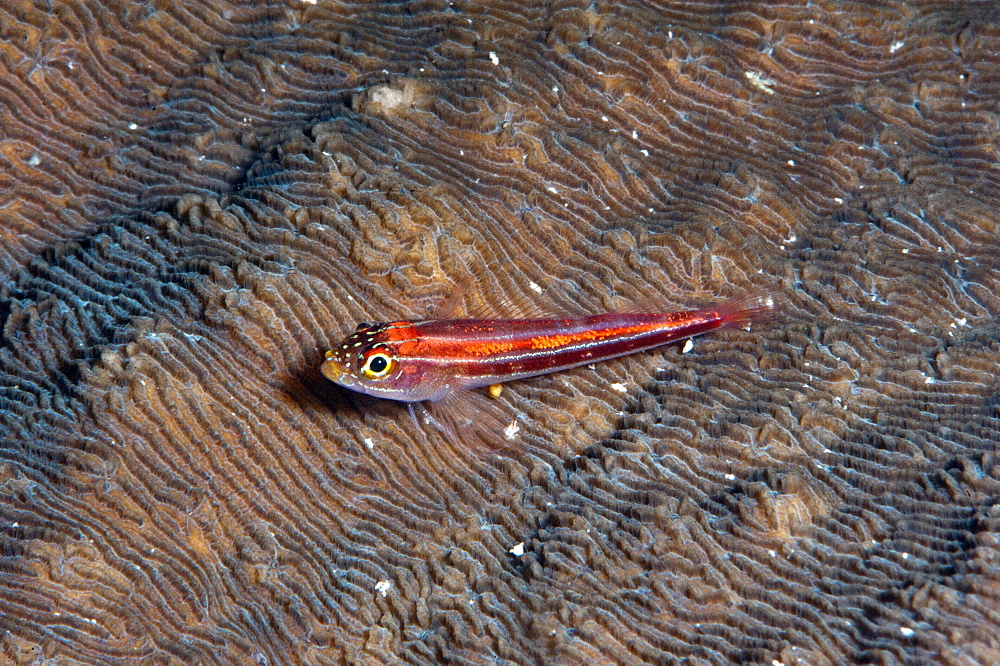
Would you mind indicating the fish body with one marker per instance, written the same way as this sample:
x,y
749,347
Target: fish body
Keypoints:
x,y
429,360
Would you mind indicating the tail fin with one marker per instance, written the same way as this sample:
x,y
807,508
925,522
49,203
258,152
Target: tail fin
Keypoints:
x,y
757,306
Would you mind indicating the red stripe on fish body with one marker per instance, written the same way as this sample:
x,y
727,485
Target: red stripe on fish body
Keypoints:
x,y
485,352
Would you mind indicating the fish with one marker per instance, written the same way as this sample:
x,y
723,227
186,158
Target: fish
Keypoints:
x,y
431,360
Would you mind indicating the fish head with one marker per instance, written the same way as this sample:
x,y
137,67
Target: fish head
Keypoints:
x,y
374,360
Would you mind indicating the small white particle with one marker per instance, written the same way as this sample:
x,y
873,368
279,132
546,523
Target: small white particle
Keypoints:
x,y
688,346
461,152
962,322
791,162
383,587
929,380
34,160
555,88
370,443
553,190
534,287
263,89
635,135
510,432
72,64
761,82
906,631
940,249
670,34
912,330
772,553
644,152
906,556
14,524
604,118
493,58
518,550
838,200
619,387
906,250
309,2
775,662
730,477
133,126
895,47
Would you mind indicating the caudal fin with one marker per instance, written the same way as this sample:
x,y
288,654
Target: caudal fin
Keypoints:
x,y
754,307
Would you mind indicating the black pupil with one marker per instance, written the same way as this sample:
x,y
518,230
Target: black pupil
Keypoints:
x,y
378,364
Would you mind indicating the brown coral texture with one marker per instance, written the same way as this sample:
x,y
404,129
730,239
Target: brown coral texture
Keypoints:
x,y
198,199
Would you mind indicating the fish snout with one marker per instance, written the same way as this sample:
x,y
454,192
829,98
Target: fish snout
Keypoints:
x,y
333,369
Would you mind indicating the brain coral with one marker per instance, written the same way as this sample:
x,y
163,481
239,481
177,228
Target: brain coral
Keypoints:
x,y
196,200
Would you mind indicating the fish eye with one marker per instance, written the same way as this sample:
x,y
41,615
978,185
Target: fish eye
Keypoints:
x,y
377,365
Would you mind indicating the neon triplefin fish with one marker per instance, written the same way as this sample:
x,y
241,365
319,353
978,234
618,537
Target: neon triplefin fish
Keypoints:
x,y
430,360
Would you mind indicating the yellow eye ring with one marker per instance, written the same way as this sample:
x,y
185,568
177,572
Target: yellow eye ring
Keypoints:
x,y
377,366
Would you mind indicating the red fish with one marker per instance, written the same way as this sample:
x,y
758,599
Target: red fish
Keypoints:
x,y
431,360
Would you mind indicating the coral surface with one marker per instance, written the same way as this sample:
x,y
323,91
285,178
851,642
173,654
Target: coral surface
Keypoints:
x,y
198,199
